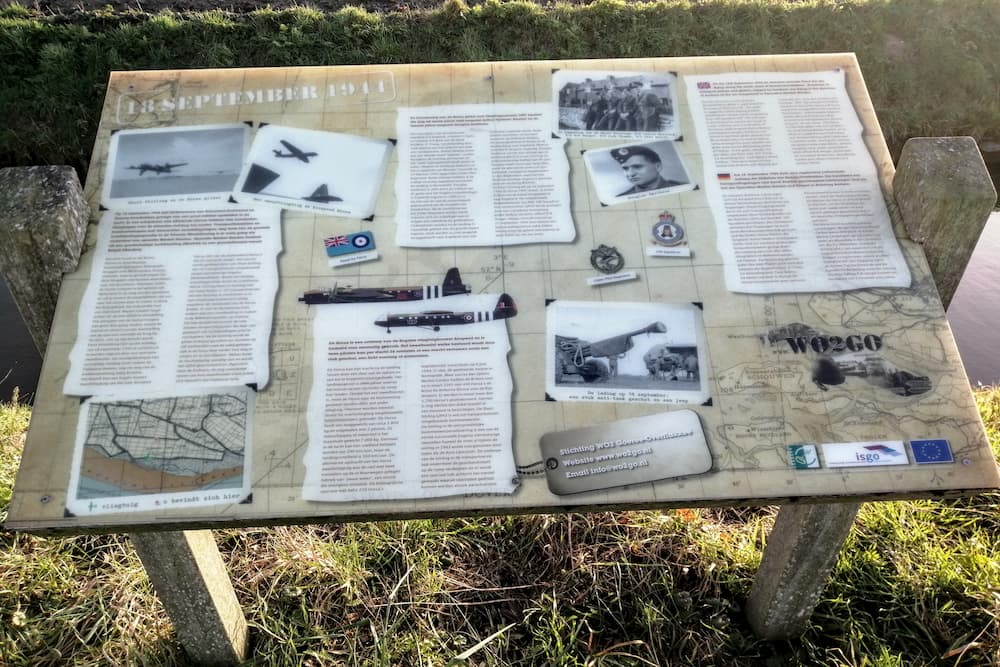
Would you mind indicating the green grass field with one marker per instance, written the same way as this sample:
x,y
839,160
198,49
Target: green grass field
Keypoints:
x,y
932,66
918,583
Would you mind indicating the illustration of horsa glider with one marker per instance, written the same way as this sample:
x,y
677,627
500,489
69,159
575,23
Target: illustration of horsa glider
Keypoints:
x,y
451,286
293,151
435,319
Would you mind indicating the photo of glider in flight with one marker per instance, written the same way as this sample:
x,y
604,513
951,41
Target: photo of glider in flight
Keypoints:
x,y
322,195
435,319
451,286
294,152
165,168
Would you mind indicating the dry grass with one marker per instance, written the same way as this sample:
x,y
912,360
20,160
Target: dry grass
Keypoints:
x,y
917,585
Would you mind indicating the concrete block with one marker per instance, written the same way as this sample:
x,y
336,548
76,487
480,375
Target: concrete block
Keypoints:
x,y
945,195
43,222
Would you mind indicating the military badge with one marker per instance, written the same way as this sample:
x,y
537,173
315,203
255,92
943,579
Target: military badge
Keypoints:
x,y
667,231
606,259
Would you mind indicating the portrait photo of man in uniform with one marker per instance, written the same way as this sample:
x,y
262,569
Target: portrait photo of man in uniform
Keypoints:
x,y
635,171
642,167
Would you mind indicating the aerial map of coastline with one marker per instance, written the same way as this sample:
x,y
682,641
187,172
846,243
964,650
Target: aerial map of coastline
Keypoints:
x,y
154,453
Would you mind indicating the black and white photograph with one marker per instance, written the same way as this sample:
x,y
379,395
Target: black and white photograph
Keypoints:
x,y
626,352
616,105
637,171
174,165
323,172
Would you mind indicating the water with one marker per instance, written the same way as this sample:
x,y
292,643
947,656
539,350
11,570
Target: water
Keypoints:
x,y
18,356
974,315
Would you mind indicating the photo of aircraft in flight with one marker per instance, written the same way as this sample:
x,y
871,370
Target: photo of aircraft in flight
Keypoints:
x,y
294,152
435,319
157,168
322,195
451,286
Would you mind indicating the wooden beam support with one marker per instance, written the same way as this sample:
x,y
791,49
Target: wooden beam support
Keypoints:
x,y
801,551
191,581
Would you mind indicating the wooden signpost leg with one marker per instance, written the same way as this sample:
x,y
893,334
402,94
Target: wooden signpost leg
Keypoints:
x,y
945,196
801,551
43,221
191,581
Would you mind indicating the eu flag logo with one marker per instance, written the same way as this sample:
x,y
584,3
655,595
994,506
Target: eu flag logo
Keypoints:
x,y
931,451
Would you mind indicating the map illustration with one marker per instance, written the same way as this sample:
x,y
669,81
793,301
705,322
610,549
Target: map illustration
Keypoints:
x,y
151,453
870,364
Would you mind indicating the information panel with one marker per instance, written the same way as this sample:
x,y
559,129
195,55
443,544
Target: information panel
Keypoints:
x,y
364,292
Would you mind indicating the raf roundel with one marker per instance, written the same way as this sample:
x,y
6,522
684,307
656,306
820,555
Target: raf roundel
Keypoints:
x,y
360,241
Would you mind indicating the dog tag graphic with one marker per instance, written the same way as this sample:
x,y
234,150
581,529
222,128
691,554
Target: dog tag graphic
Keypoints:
x,y
629,451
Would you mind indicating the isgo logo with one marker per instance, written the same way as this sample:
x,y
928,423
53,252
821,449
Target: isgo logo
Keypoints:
x,y
848,454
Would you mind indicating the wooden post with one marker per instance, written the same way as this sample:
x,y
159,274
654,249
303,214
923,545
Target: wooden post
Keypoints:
x,y
801,551
945,196
43,221
191,581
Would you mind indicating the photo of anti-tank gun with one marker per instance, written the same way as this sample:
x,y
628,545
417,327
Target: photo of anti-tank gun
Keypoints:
x,y
596,361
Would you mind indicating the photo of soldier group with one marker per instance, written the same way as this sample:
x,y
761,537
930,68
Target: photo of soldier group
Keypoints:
x,y
615,104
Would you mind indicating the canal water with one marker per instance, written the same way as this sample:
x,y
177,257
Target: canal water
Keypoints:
x,y
19,361
974,315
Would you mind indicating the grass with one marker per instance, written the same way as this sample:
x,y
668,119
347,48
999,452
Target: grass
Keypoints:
x,y
932,66
918,583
